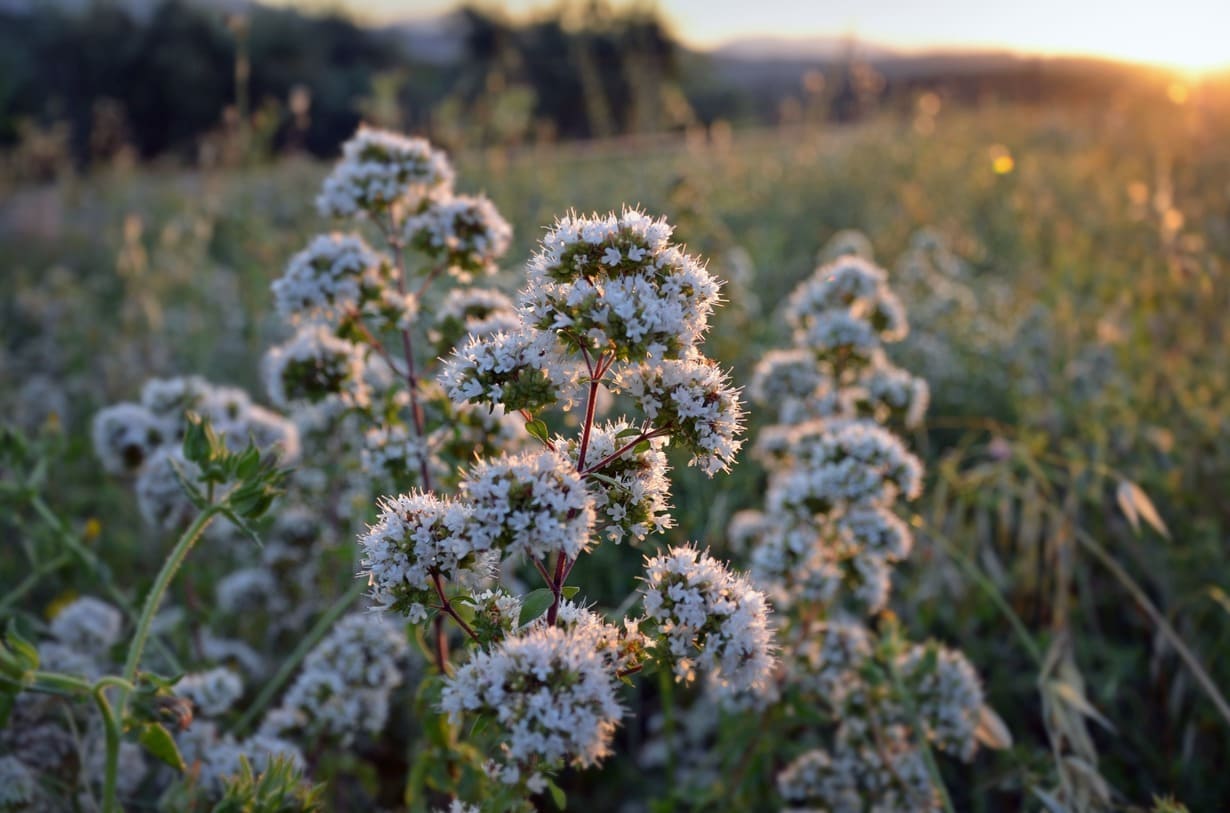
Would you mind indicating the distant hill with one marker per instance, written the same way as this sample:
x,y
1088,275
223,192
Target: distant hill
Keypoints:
x,y
139,9
822,47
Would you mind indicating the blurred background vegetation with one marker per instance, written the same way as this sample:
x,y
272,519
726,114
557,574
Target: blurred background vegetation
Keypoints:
x,y
1059,229
87,84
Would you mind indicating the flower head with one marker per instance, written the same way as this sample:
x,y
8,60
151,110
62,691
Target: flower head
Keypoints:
x,y
212,692
692,398
633,497
329,279
316,366
345,685
615,284
550,692
711,619
949,696
379,170
533,503
467,233
417,538
471,312
126,435
87,625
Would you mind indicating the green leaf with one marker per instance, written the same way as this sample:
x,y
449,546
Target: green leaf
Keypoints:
x,y
248,463
539,429
160,744
534,605
242,526
196,439
610,481
25,653
557,795
570,591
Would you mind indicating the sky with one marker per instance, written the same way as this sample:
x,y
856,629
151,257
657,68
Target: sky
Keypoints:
x,y
1185,34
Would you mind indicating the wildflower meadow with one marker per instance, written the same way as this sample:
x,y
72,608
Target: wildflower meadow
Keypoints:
x,y
875,468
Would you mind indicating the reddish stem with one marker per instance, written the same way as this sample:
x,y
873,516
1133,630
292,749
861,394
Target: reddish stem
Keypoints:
x,y
656,433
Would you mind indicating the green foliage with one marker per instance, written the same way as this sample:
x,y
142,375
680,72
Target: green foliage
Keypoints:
x,y
280,788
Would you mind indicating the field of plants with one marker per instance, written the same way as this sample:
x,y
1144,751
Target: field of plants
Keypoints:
x,y
895,477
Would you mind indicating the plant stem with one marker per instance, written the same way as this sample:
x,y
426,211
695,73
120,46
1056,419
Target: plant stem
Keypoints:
x,y
591,404
1163,626
921,735
292,661
563,565
111,734
96,566
447,607
113,717
153,599
407,344
613,456
441,643
27,584
557,587
993,592
666,690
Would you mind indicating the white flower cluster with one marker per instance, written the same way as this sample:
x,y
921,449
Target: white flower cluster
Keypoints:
x,y
514,370
534,503
478,431
160,496
127,435
88,626
892,392
316,366
831,464
637,503
794,561
213,757
839,562
850,285
611,294
212,692
616,284
949,696
417,538
346,683
712,620
248,589
841,316
552,694
785,374
622,647
693,398
329,280
888,777
824,546
829,659
18,785
393,450
467,233
471,312
380,170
